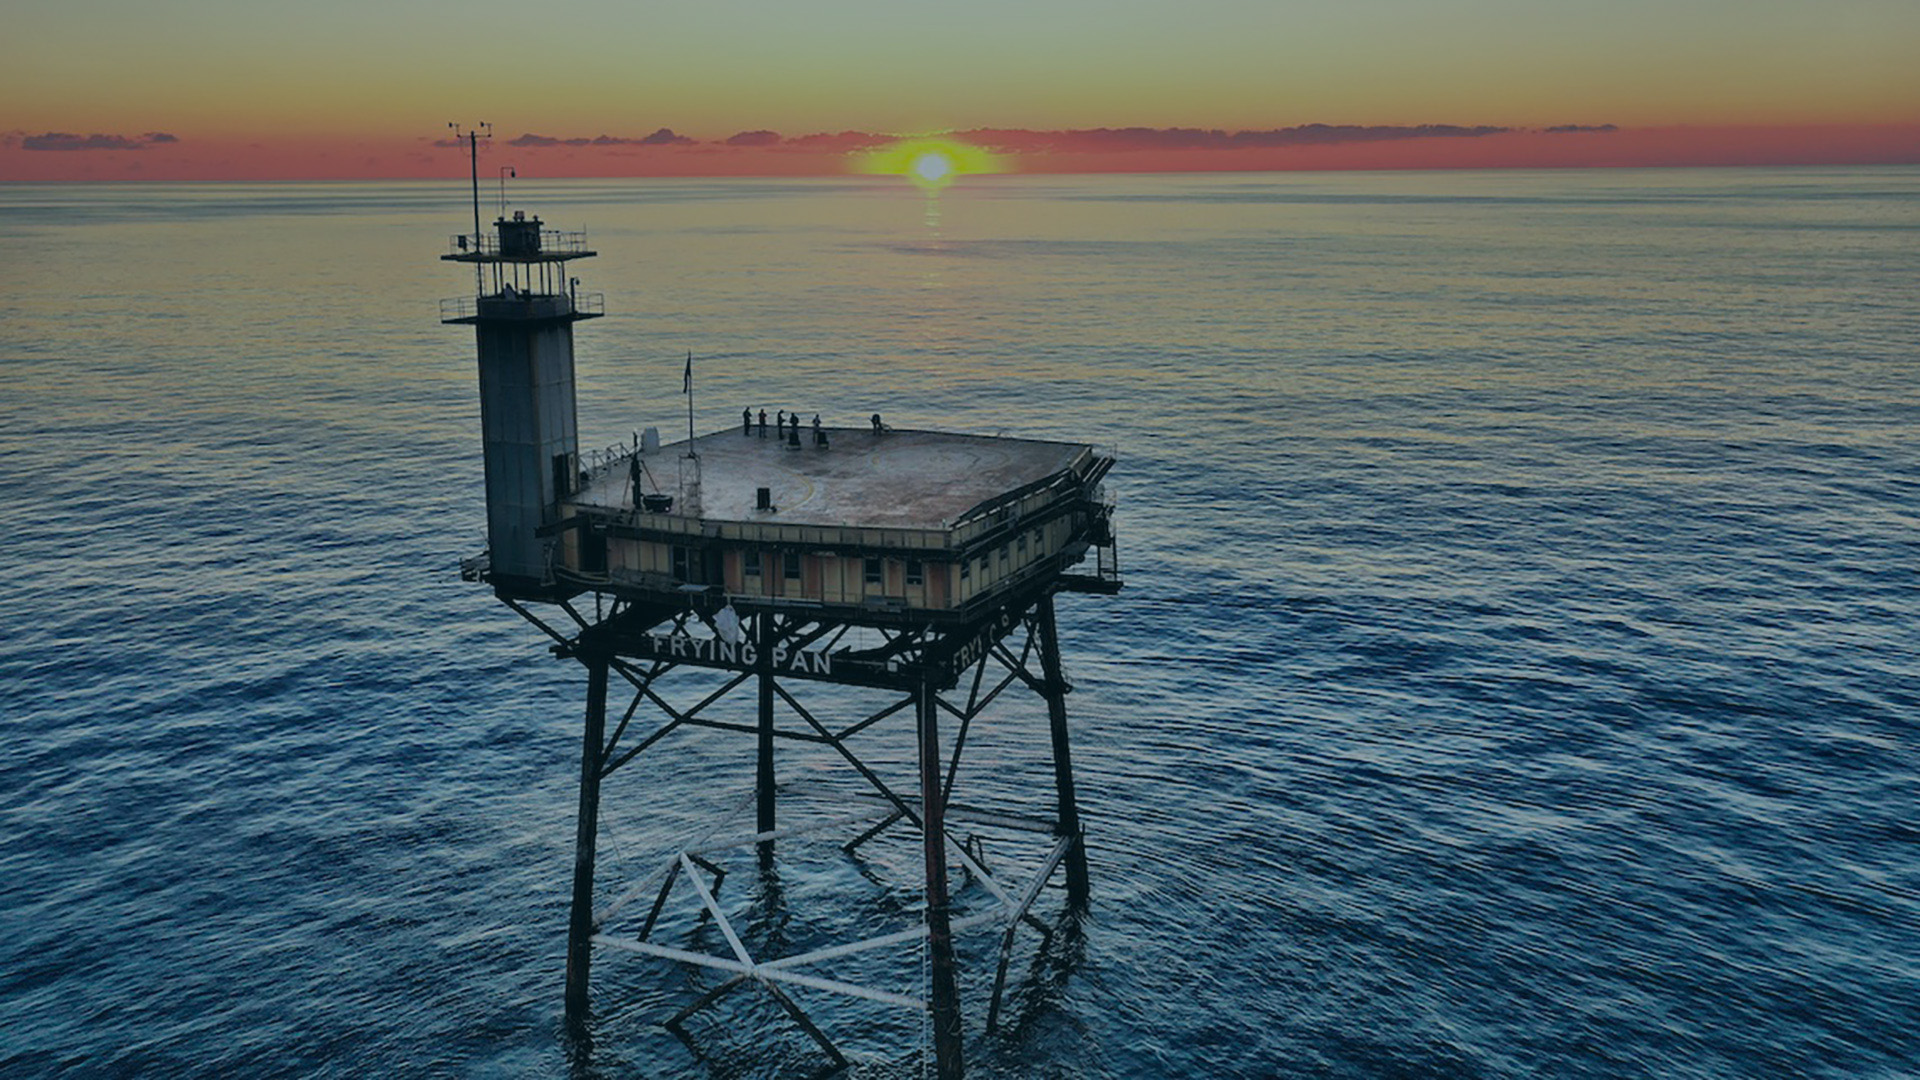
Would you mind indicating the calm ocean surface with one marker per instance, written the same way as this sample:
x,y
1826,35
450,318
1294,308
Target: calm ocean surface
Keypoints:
x,y
1518,674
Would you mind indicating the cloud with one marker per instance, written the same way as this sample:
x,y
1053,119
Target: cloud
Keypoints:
x,y
1180,138
1325,134
662,137
841,140
62,140
1128,138
825,141
1072,140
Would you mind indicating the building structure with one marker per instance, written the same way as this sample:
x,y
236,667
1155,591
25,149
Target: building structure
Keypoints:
x,y
912,562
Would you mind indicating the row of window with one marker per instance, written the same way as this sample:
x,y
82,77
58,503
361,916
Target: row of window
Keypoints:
x,y
876,572
790,568
1018,545
789,564
875,569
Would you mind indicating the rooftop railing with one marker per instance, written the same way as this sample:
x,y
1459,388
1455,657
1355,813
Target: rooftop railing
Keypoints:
x,y
554,243
523,305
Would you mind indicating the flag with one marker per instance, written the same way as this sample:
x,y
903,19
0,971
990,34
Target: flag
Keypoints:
x,y
687,386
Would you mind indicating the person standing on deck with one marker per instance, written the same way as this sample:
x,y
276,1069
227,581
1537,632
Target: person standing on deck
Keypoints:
x,y
746,421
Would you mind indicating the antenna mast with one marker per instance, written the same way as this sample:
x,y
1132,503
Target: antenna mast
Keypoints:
x,y
473,136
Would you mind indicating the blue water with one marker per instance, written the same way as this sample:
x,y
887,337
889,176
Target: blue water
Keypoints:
x,y
1518,674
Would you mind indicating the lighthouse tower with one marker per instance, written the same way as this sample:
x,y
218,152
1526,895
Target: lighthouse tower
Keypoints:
x,y
522,311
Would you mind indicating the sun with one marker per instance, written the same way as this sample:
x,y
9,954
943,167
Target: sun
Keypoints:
x,y
931,163
932,168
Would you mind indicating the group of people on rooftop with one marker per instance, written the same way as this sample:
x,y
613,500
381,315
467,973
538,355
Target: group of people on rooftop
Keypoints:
x,y
781,424
786,426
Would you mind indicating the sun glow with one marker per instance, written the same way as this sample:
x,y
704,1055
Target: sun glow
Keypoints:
x,y
930,163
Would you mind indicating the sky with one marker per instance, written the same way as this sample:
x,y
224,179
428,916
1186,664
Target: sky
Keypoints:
x,y
241,89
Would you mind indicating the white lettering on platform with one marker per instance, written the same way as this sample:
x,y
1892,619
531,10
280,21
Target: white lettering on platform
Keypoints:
x,y
745,655
981,643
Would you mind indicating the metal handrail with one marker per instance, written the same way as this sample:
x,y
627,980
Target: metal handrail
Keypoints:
x,y
552,242
468,307
598,463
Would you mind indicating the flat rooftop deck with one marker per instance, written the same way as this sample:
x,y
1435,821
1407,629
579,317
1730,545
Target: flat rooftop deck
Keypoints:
x,y
899,479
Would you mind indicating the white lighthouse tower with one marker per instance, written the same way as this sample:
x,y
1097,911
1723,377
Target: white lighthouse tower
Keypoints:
x,y
522,311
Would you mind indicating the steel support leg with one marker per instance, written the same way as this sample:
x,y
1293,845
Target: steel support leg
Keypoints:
x,y
946,996
1056,695
763,785
580,930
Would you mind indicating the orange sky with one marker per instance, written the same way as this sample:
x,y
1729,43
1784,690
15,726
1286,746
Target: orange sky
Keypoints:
x,y
354,88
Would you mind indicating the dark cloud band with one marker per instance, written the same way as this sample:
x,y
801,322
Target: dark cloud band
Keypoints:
x,y
1018,140
61,140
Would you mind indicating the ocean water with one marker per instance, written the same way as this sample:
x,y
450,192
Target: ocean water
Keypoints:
x,y
1518,673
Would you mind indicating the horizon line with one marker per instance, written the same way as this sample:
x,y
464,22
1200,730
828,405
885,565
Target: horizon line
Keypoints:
x,y
53,156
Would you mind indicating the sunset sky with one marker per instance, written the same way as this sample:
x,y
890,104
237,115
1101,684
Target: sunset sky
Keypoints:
x,y
219,89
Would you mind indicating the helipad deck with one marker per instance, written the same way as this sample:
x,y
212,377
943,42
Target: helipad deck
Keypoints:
x,y
899,479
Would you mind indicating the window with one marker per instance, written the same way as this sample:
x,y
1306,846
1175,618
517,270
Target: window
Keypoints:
x,y
916,573
1003,556
966,569
751,561
680,564
593,551
874,572
1022,542
790,565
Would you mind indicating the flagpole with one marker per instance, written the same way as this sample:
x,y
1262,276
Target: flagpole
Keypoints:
x,y
689,390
